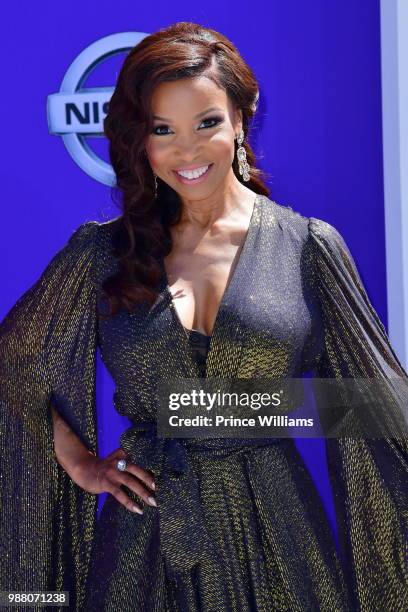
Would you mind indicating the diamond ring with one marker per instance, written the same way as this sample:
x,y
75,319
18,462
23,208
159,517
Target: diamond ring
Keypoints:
x,y
121,465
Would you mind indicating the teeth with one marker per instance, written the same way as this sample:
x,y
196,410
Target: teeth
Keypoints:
x,y
192,174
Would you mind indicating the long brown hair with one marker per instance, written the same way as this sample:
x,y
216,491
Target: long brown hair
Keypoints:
x,y
182,50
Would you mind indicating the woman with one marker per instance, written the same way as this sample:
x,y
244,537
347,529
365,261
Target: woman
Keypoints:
x,y
199,253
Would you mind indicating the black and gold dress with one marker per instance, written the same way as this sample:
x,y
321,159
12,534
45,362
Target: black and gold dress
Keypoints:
x,y
199,347
238,527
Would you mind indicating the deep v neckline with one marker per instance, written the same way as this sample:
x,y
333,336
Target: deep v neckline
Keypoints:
x,y
232,277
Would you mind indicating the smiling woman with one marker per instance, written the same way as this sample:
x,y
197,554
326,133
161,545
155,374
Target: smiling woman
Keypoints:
x,y
202,275
194,150
174,140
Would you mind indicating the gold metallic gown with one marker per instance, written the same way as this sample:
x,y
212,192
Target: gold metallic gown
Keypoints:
x,y
237,528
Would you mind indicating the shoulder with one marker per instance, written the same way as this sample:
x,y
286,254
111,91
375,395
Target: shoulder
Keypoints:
x,y
87,251
93,235
314,236
91,247
323,229
286,218
306,227
327,238
329,250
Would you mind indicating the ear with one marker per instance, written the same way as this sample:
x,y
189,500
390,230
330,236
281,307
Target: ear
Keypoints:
x,y
237,120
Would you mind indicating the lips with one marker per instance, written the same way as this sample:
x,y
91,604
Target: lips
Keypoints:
x,y
193,173
188,174
192,167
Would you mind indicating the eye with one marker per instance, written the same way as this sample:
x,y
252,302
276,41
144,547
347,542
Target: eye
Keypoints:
x,y
159,127
216,121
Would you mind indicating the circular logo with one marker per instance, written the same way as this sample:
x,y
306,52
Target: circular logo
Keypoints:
x,y
75,113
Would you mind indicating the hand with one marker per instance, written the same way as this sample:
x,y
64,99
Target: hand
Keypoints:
x,y
97,475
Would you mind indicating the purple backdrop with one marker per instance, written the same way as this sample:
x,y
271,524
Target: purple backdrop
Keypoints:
x,y
319,132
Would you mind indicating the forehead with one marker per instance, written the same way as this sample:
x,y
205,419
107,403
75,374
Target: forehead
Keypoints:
x,y
188,96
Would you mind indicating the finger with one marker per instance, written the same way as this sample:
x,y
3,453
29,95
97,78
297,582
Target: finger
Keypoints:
x,y
137,487
119,453
123,499
113,459
134,469
142,474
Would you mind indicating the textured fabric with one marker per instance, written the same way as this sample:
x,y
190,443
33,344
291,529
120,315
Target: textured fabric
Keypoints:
x,y
199,345
249,530
47,350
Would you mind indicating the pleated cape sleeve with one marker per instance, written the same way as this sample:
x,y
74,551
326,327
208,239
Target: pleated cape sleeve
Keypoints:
x,y
368,476
47,354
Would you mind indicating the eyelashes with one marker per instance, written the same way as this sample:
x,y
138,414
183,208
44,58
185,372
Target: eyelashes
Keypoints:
x,y
215,121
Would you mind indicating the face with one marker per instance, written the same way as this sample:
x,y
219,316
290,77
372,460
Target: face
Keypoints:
x,y
193,133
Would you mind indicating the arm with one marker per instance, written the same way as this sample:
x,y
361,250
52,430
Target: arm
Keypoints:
x,y
47,347
69,449
368,476
84,468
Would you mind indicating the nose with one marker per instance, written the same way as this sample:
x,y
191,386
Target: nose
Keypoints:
x,y
187,149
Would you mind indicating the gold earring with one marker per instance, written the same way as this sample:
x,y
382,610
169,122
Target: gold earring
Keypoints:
x,y
243,165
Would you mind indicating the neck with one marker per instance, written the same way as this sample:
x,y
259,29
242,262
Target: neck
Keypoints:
x,y
207,211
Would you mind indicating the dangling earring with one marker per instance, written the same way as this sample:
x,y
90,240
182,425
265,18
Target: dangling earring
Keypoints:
x,y
242,160
155,185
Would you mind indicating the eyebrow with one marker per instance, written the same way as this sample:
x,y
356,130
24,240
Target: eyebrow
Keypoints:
x,y
208,110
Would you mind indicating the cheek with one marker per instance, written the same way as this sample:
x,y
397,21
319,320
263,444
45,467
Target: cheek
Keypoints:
x,y
157,153
222,147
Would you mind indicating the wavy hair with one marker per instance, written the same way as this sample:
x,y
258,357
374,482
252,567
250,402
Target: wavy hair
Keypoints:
x,y
181,51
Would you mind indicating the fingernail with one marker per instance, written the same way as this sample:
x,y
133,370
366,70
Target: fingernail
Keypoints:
x,y
152,501
153,486
137,509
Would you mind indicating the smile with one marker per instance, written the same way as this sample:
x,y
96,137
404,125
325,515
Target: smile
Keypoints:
x,y
193,176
